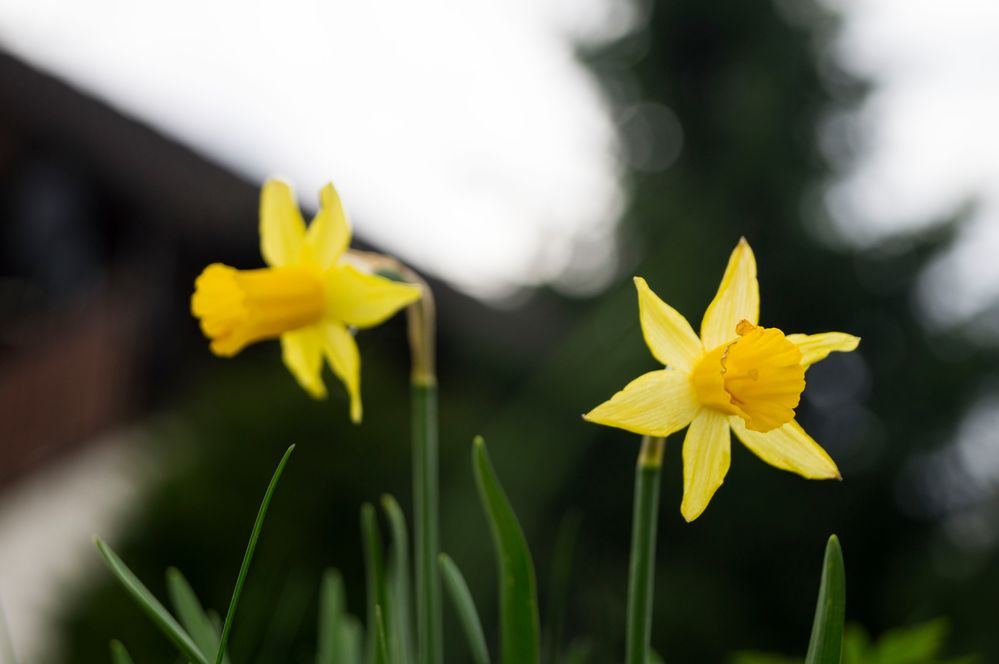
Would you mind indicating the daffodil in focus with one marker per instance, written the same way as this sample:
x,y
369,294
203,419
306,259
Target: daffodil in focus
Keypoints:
x,y
735,377
309,296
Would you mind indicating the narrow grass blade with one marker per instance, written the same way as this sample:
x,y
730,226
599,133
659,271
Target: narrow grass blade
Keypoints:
x,y
381,649
558,594
374,576
332,607
118,653
826,644
397,579
248,556
519,630
191,614
152,607
425,521
464,606
641,568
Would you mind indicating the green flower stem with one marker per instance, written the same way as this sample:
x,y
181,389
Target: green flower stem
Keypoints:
x,y
641,571
425,501
421,320
422,328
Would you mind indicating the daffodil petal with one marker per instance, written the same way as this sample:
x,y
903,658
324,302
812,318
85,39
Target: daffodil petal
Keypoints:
x,y
816,347
345,360
737,299
329,233
363,300
789,448
282,229
667,333
302,352
707,452
654,404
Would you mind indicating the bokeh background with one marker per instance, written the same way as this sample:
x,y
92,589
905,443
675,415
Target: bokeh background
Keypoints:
x,y
529,157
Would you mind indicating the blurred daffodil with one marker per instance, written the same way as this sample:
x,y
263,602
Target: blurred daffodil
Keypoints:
x,y
737,376
308,297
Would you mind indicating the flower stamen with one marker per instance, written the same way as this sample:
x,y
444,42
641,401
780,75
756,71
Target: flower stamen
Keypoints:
x,y
763,376
758,377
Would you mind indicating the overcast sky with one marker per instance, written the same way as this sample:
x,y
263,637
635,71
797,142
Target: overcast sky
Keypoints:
x,y
466,138
463,135
928,137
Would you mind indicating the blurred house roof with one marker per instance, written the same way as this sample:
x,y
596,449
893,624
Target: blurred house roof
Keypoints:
x,y
95,206
124,154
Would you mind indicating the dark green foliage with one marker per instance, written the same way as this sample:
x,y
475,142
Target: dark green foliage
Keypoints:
x,y
191,614
922,644
118,653
152,608
464,607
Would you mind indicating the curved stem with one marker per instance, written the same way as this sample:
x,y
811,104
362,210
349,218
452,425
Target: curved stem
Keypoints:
x,y
421,321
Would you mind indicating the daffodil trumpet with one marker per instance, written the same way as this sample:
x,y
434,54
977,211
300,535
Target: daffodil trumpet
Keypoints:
x,y
735,377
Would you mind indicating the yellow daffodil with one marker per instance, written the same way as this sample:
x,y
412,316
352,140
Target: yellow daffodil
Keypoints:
x,y
736,376
308,297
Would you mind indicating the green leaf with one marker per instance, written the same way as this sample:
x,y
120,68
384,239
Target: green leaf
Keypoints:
x,y
464,605
382,651
118,653
519,630
353,638
375,577
251,546
398,586
332,646
190,612
825,646
152,607
855,645
914,645
763,658
426,499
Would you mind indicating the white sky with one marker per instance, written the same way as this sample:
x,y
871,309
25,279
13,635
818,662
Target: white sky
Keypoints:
x,y
929,137
463,135
466,138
